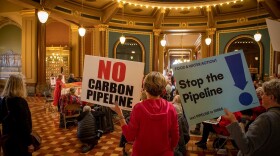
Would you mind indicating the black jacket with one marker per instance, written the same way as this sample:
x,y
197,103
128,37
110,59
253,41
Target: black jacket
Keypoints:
x,y
86,126
17,124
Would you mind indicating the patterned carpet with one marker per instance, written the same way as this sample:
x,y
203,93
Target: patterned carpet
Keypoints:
x,y
63,142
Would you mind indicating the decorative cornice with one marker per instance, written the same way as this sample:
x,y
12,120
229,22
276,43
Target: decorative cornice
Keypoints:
x,y
102,27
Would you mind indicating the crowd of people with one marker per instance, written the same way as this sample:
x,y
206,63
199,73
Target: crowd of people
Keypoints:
x,y
157,124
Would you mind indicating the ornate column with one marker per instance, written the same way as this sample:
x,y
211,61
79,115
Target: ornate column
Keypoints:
x,y
100,40
75,52
204,48
29,53
161,55
156,49
41,83
211,33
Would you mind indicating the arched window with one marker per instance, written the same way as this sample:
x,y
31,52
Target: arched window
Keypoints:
x,y
253,52
132,50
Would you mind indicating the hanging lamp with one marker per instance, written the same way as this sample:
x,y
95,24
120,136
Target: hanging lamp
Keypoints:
x,y
163,41
122,38
257,36
208,40
42,14
82,30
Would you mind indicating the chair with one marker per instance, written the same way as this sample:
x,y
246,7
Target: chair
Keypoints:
x,y
48,100
72,107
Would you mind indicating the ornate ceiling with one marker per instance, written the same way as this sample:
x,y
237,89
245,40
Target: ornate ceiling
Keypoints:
x,y
151,14
171,16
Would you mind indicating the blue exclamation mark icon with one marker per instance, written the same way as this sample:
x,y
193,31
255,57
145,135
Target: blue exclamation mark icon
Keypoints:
x,y
235,66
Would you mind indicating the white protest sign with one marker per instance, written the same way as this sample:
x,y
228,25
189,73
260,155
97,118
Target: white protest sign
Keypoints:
x,y
209,85
107,80
274,33
52,81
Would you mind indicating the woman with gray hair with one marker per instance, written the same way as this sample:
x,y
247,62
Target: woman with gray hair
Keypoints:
x,y
15,117
262,137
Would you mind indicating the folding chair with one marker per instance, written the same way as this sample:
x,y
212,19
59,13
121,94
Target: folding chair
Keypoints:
x,y
74,110
48,100
221,141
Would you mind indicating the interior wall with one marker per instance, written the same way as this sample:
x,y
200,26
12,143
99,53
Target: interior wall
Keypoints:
x,y
58,34
10,38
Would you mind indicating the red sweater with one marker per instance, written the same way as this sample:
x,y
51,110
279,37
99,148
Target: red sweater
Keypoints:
x,y
220,128
153,127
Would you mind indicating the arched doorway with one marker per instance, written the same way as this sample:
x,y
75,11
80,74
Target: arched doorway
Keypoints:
x,y
131,50
253,52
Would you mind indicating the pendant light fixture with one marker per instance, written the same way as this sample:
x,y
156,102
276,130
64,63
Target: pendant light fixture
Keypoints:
x,y
42,14
208,39
257,36
82,30
163,41
122,38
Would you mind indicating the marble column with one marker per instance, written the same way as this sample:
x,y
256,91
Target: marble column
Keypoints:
x,y
29,53
41,67
161,56
156,50
211,33
100,40
75,52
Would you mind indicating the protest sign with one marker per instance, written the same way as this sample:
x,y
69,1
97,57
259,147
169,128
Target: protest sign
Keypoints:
x,y
274,33
52,81
209,85
66,88
107,80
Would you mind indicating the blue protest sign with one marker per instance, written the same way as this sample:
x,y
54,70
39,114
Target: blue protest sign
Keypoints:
x,y
209,85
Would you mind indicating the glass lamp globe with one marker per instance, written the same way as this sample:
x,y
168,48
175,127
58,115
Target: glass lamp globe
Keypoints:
x,y
82,31
122,39
258,36
163,42
208,41
43,16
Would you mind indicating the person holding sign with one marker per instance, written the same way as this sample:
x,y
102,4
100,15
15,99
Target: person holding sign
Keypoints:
x,y
153,122
262,137
57,91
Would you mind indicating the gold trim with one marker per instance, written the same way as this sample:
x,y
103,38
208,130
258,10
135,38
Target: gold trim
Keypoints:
x,y
259,44
271,61
135,39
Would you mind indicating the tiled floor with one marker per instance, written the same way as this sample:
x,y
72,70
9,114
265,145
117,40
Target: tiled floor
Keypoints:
x,y
63,142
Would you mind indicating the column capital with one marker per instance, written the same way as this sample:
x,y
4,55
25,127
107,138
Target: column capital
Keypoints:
x,y
211,31
74,27
157,32
26,13
102,27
